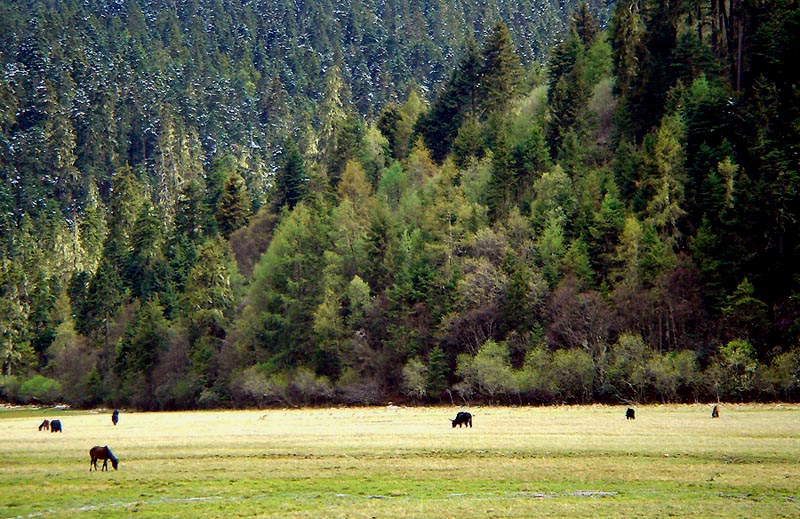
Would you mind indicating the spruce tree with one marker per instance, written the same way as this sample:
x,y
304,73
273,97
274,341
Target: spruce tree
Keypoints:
x,y
440,125
290,179
233,207
568,92
500,71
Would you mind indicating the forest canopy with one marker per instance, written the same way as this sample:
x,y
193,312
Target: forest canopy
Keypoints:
x,y
252,203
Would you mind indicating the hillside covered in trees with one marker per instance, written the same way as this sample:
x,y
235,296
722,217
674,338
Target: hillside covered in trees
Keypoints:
x,y
209,204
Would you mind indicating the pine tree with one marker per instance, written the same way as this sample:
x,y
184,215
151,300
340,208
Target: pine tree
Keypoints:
x,y
145,264
233,207
568,91
291,178
586,25
500,71
626,32
437,372
665,207
460,97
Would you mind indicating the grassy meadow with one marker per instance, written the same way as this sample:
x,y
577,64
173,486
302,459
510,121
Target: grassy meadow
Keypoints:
x,y
396,462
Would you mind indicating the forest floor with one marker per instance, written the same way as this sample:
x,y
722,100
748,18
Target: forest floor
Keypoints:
x,y
407,462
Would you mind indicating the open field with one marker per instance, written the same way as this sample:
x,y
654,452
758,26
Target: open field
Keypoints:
x,y
570,462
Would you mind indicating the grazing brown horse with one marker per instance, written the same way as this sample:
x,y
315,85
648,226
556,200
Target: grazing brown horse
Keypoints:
x,y
45,426
102,453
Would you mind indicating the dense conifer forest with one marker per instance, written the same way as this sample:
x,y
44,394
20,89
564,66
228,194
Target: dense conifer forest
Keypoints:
x,y
264,202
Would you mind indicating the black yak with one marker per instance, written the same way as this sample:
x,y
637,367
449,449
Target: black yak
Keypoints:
x,y
630,414
462,418
55,426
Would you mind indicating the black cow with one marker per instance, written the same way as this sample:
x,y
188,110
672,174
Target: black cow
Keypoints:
x,y
55,426
462,418
630,414
115,417
715,412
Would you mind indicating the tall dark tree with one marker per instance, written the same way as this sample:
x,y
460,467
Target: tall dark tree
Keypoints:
x,y
500,71
460,96
586,25
145,265
145,339
291,179
234,206
568,91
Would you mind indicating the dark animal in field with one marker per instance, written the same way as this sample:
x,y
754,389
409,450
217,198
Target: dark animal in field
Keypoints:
x,y
715,412
462,418
102,453
55,426
45,426
630,414
115,417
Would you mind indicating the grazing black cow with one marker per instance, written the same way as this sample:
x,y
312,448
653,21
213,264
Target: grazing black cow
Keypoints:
x,y
115,417
715,412
55,426
630,414
45,426
462,418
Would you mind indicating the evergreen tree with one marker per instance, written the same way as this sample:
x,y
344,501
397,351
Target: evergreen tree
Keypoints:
x,y
16,353
207,305
437,372
286,290
500,71
501,189
104,297
460,96
291,178
568,91
585,24
145,339
145,264
627,34
387,124
233,207
665,207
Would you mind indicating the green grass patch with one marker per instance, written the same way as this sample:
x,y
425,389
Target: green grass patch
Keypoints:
x,y
558,462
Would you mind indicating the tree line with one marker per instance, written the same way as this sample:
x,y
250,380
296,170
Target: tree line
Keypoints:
x,y
617,222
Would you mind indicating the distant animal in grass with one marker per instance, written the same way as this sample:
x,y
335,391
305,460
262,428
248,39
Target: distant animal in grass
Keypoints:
x,y
630,414
55,426
102,453
115,417
45,426
462,418
715,412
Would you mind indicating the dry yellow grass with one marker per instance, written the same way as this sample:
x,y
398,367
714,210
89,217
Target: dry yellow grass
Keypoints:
x,y
407,462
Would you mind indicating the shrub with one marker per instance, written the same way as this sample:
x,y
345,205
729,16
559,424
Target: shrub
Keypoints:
x,y
629,368
9,387
488,373
784,373
738,360
415,379
534,377
40,389
309,387
572,375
